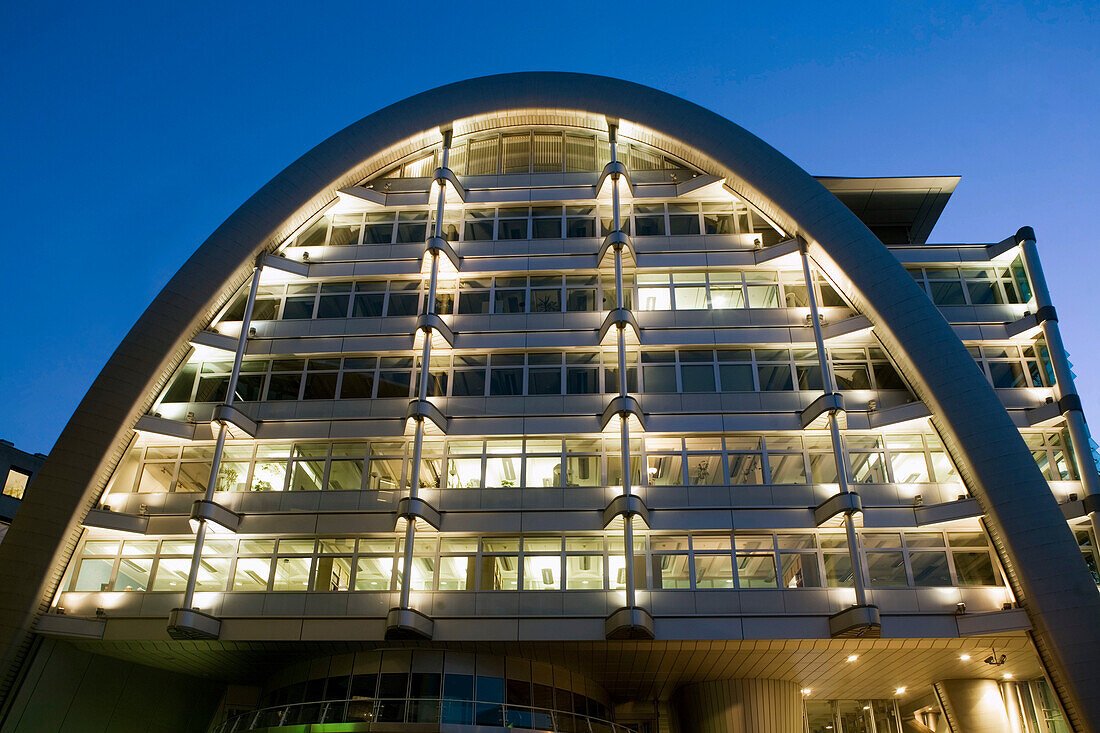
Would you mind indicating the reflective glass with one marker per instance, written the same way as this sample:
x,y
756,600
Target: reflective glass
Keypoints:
x,y
787,468
714,571
373,573
974,568
542,572
886,569
755,570
800,570
930,568
670,571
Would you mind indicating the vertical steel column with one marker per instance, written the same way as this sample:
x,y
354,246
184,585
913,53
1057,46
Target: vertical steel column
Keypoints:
x,y
839,454
219,446
1064,389
624,424
425,370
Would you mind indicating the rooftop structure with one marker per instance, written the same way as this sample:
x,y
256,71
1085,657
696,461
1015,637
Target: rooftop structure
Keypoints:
x,y
553,402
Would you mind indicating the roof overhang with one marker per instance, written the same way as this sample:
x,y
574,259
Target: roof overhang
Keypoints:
x,y
904,209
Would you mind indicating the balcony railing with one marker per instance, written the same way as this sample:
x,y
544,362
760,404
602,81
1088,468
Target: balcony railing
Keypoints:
x,y
364,715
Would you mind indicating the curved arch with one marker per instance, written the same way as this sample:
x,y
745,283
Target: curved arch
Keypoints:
x,y
1024,520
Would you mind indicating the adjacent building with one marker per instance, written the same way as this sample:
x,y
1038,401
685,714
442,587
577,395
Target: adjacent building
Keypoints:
x,y
17,469
552,402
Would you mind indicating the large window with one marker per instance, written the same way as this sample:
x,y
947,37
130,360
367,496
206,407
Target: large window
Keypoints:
x,y
540,150
580,291
1008,365
987,285
534,373
479,223
718,290
542,463
539,562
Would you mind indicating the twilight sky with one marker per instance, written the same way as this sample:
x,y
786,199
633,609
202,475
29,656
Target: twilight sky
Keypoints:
x,y
130,131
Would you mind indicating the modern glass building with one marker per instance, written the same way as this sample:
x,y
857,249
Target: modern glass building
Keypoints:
x,y
552,402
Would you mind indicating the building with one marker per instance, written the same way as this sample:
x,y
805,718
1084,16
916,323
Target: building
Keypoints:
x,y
705,444
17,469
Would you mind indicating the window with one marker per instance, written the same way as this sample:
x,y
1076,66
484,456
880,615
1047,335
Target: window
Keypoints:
x,y
1051,453
649,220
454,562
463,463
755,561
671,566
948,286
786,462
972,559
546,222
16,483
1005,368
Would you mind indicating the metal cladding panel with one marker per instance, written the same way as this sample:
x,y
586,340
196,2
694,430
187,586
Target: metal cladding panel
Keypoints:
x,y
740,706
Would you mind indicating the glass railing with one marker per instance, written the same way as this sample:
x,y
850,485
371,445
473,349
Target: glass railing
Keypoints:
x,y
362,714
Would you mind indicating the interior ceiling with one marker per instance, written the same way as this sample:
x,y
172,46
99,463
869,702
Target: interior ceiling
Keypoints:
x,y
641,670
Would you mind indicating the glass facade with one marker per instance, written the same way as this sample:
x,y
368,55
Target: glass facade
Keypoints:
x,y
525,429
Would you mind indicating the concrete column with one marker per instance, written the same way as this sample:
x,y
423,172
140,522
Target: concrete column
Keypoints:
x,y
740,706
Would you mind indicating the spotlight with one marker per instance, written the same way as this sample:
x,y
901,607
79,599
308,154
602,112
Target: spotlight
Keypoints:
x,y
806,690
853,657
899,691
964,657
1007,675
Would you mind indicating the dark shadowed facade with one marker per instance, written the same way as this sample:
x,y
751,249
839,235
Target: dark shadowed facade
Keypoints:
x,y
552,402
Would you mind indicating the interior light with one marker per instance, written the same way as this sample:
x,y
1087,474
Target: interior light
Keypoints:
x,y
1007,675
853,657
964,657
806,690
899,691
866,707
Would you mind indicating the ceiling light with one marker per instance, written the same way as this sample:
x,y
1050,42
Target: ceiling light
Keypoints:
x,y
1007,675
964,657
806,690
866,707
899,691
853,657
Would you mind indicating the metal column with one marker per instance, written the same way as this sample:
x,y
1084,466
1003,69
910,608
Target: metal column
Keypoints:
x,y
624,423
425,370
839,454
215,463
1065,391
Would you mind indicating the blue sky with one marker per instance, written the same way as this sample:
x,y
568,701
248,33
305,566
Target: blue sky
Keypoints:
x,y
129,133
